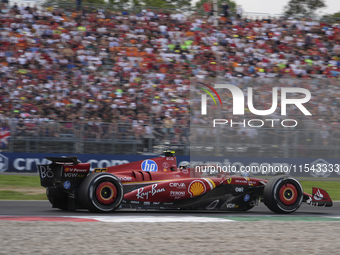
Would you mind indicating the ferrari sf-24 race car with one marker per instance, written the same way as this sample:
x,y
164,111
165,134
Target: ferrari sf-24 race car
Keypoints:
x,y
159,184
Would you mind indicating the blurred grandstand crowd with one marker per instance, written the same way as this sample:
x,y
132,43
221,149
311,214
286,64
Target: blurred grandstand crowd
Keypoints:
x,y
127,75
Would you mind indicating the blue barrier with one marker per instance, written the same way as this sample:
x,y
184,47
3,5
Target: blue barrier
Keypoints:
x,y
27,162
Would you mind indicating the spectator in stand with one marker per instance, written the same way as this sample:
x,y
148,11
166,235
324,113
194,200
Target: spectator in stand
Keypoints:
x,y
78,4
208,8
239,11
225,8
117,67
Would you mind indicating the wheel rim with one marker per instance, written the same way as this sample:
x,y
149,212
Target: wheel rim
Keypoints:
x,y
288,194
106,193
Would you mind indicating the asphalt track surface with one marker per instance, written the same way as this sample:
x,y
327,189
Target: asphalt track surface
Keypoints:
x,y
44,208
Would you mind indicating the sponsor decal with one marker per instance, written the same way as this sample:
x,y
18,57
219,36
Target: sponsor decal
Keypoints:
x,y
177,193
146,203
239,189
251,183
165,165
318,195
241,181
231,206
98,170
171,203
196,188
246,198
185,171
170,158
229,180
210,182
67,185
177,185
70,174
125,178
45,172
74,170
145,195
3,163
134,202
156,203
149,165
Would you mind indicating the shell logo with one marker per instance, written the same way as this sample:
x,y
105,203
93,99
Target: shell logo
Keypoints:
x,y
67,169
196,188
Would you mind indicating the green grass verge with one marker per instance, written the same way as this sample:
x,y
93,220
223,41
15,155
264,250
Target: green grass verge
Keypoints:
x,y
12,186
15,195
19,181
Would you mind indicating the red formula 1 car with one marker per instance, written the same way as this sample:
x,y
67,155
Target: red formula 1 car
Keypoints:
x,y
159,184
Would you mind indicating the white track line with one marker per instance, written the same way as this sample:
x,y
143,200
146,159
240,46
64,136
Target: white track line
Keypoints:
x,y
153,219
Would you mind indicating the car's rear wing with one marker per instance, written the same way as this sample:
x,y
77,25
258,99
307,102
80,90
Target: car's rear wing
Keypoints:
x,y
64,160
64,172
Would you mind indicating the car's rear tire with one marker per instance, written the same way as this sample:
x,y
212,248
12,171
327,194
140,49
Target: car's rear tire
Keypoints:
x,y
101,192
283,194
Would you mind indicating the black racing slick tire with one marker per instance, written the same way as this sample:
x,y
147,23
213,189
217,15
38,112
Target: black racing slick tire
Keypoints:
x,y
101,192
283,194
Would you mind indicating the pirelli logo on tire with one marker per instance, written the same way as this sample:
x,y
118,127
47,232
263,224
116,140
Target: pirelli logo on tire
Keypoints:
x,y
99,170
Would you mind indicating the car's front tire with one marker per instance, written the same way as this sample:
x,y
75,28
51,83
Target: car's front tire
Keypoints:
x,y
101,192
283,194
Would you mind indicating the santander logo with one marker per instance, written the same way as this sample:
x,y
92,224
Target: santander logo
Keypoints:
x,y
318,195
